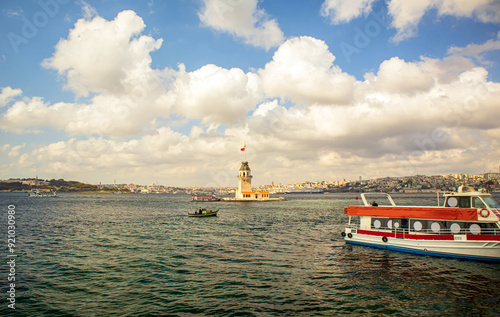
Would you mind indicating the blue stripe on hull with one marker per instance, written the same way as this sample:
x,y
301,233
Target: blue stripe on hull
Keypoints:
x,y
421,252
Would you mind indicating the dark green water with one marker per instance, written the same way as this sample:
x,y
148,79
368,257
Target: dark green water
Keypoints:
x,y
140,255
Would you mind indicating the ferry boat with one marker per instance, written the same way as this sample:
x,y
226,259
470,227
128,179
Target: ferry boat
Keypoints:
x,y
466,226
204,197
41,193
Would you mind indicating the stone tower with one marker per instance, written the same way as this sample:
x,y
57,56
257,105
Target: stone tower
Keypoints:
x,y
245,180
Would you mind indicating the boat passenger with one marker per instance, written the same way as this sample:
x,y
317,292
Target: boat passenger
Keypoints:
x,y
374,203
404,223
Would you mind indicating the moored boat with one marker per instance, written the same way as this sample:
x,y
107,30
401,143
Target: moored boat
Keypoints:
x,y
466,226
41,193
204,197
202,212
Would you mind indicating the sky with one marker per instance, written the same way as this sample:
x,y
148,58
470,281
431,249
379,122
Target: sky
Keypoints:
x,y
170,91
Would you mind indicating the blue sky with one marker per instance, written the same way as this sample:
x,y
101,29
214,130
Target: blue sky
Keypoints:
x,y
143,91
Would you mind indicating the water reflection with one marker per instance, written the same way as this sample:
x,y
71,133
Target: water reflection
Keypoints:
x,y
412,284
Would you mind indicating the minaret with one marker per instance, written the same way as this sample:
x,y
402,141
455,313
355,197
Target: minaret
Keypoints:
x,y
245,180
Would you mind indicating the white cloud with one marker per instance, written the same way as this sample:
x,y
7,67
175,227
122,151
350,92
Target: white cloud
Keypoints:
x,y
29,115
407,14
242,19
7,94
215,95
476,50
302,70
88,11
25,161
417,77
211,94
409,117
109,115
14,151
382,133
105,56
343,11
111,61
164,153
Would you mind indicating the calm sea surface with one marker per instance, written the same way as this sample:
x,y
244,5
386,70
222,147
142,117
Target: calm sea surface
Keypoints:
x,y
140,255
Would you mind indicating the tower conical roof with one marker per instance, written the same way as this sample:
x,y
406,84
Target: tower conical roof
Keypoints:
x,y
244,166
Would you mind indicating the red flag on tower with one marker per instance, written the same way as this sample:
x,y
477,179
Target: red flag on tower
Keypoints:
x,y
244,146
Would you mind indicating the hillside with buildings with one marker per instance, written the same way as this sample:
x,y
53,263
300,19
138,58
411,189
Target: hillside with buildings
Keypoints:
x,y
60,185
406,184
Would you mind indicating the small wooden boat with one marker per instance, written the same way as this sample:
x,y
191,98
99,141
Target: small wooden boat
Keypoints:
x,y
202,212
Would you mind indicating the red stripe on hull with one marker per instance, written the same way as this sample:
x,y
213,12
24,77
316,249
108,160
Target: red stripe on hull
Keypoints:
x,y
448,237
484,237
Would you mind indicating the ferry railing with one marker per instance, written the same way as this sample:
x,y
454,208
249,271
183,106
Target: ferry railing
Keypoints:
x,y
463,231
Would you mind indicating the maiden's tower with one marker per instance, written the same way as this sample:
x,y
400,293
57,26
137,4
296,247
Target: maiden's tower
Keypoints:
x,y
245,192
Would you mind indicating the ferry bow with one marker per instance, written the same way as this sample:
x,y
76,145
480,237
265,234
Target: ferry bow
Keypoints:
x,y
466,226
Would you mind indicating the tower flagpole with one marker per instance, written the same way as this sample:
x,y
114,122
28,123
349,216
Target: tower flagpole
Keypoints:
x,y
243,150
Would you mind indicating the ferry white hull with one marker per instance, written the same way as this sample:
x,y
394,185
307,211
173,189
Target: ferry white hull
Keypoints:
x,y
460,247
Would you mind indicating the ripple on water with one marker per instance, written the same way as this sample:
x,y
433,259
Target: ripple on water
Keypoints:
x,y
133,255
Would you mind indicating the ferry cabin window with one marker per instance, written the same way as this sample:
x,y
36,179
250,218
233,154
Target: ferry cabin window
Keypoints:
x,y
464,202
385,223
491,202
354,220
451,202
477,203
460,202
433,226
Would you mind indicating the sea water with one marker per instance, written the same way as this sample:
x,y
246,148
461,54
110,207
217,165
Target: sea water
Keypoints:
x,y
141,255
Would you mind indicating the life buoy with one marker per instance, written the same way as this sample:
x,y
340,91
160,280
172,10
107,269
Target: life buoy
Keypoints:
x,y
349,235
484,212
343,233
384,239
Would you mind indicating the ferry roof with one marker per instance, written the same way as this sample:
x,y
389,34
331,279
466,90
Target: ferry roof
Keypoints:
x,y
467,191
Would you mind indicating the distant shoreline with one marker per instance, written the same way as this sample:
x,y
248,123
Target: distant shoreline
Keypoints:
x,y
71,191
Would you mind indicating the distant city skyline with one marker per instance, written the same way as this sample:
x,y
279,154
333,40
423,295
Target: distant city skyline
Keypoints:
x,y
459,177
170,91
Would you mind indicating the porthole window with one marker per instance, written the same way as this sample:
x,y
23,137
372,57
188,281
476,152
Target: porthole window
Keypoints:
x,y
475,228
452,202
396,224
435,227
389,224
417,225
377,224
455,228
